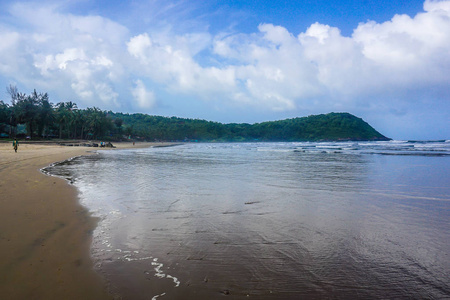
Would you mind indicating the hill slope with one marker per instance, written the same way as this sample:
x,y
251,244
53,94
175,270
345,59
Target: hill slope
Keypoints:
x,y
329,127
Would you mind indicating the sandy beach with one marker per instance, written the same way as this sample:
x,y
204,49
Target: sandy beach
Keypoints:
x,y
45,234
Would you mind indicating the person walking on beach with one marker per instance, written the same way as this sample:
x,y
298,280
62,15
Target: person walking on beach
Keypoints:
x,y
15,145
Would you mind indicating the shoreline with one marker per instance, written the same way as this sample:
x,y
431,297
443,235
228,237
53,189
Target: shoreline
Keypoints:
x,y
45,233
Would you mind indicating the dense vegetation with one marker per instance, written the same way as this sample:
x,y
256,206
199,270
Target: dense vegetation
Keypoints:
x,y
332,126
35,117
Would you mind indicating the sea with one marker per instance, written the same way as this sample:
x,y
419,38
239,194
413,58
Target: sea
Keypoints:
x,y
304,220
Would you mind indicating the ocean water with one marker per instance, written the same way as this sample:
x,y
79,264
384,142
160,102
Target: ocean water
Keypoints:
x,y
351,220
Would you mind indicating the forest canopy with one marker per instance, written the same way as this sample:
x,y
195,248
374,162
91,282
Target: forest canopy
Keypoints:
x,y
35,117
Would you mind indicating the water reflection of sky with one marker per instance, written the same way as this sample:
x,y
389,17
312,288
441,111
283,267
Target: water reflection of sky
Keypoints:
x,y
326,222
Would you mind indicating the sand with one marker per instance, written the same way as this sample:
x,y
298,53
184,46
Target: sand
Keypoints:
x,y
45,234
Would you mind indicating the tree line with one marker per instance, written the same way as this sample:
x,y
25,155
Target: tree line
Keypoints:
x,y
324,127
34,116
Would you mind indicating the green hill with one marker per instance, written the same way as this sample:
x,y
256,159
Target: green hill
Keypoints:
x,y
325,127
35,117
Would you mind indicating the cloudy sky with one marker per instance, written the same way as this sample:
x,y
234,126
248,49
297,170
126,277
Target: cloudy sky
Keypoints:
x,y
237,61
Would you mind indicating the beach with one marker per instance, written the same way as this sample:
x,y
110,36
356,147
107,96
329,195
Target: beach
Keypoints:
x,y
269,221
364,220
45,234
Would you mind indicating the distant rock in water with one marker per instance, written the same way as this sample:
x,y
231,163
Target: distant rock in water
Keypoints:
x,y
325,127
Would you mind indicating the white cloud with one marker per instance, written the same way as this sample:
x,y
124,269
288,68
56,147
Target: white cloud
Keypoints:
x,y
8,50
404,43
9,41
404,53
436,6
143,97
138,45
274,70
92,59
176,68
72,55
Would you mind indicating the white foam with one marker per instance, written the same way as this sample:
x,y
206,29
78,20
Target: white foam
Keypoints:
x,y
154,297
128,258
158,267
175,280
161,274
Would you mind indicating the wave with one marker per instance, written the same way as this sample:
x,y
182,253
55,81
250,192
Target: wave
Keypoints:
x,y
395,147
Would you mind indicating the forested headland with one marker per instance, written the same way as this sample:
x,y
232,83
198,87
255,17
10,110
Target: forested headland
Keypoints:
x,y
34,117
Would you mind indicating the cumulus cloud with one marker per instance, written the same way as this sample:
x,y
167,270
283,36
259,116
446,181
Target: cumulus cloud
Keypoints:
x,y
270,69
275,69
143,97
74,55
175,67
409,50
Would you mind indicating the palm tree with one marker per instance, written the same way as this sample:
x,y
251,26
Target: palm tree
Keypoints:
x,y
26,110
61,116
45,115
65,116
79,120
97,122
71,126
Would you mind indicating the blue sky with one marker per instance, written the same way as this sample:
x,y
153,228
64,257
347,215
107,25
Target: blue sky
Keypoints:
x,y
238,61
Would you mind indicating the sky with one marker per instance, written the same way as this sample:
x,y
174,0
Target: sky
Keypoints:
x,y
237,61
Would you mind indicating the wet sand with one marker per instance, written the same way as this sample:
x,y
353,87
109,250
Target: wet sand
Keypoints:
x,y
263,221
45,234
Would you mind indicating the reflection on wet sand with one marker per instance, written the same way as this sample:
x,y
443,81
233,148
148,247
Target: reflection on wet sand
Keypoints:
x,y
200,221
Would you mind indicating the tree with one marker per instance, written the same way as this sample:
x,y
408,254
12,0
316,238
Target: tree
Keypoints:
x,y
26,110
129,131
118,122
79,123
4,116
71,124
97,122
65,118
13,92
46,115
41,117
